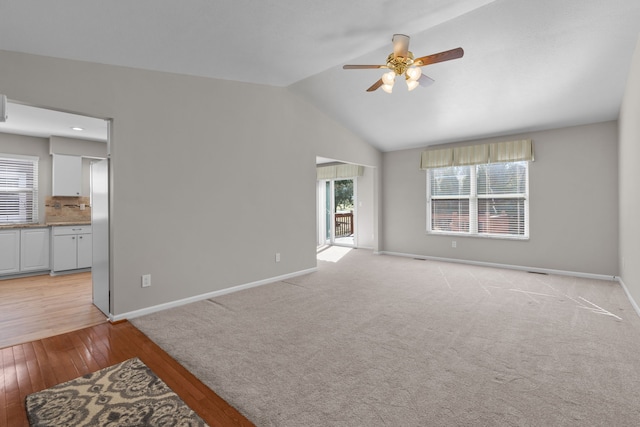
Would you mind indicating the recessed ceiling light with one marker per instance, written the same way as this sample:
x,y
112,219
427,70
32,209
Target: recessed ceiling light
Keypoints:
x,y
78,128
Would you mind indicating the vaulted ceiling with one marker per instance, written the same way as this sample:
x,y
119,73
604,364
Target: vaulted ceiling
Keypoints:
x,y
528,64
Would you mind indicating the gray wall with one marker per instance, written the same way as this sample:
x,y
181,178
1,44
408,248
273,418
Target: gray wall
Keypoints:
x,y
365,229
210,178
630,181
575,171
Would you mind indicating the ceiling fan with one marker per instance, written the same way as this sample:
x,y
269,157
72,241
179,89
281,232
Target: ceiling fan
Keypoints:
x,y
401,62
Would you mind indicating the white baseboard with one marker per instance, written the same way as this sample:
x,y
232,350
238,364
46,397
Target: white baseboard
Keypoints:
x,y
177,303
631,300
508,266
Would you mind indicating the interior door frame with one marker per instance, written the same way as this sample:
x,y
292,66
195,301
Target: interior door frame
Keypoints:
x,y
100,272
109,142
323,203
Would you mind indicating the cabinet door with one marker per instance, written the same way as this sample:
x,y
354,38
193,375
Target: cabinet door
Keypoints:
x,y
34,249
67,175
9,251
65,252
85,248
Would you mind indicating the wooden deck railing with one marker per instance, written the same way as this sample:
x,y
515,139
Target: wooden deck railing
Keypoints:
x,y
344,224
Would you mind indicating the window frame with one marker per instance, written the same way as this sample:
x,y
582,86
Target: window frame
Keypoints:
x,y
26,213
473,198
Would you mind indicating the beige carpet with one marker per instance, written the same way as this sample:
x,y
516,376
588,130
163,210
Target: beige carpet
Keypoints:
x,y
387,341
124,395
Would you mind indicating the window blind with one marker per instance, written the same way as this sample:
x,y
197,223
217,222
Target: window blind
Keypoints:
x,y
502,203
18,189
488,199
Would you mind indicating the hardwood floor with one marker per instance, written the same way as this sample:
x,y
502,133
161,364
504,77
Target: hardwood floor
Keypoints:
x,y
40,364
36,307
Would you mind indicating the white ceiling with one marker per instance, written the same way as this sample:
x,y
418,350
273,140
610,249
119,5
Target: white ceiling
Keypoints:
x,y
528,64
40,122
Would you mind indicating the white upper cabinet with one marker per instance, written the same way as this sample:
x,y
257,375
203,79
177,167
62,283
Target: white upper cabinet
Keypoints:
x,y
67,175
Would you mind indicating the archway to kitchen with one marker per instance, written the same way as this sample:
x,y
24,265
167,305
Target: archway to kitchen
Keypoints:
x,y
70,240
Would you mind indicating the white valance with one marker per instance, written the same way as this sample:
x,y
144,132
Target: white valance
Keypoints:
x,y
471,155
509,151
436,158
339,171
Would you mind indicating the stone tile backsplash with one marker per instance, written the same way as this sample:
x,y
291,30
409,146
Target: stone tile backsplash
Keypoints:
x,y
67,209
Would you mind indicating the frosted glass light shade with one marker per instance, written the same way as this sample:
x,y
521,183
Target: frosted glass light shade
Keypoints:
x,y
389,78
412,84
413,73
387,88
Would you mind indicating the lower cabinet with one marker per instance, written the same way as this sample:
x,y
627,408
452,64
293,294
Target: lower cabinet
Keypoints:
x,y
71,248
34,249
24,250
10,251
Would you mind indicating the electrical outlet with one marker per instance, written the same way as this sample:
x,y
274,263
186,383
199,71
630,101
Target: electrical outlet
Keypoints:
x,y
277,256
453,243
146,280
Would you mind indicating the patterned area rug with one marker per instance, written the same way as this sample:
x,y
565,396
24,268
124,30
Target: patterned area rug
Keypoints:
x,y
126,394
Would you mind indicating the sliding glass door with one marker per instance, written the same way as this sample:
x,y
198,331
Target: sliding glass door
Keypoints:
x,y
337,205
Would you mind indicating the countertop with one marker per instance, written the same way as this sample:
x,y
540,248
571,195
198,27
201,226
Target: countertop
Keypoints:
x,y
42,225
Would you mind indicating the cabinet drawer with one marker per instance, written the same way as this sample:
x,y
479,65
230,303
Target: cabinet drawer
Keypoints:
x,y
71,229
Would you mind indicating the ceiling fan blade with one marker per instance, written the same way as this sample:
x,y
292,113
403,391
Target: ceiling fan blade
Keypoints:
x,y
425,81
400,45
375,86
362,67
439,57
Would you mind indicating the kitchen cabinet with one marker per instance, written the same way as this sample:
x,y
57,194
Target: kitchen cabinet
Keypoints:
x,y
10,251
71,247
34,249
24,250
67,175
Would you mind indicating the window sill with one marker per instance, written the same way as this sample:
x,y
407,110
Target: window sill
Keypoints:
x,y
482,236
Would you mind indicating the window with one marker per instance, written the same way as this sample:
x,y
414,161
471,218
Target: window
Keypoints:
x,y
18,189
489,199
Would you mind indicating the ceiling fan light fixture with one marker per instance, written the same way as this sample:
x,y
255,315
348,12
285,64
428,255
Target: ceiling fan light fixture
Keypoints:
x,y
389,78
401,62
413,73
412,84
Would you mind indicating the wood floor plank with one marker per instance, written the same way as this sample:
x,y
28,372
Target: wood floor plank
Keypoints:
x,y
51,333
65,357
37,382
45,367
22,372
85,354
36,307
3,393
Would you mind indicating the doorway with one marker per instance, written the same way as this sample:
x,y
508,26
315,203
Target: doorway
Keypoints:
x,y
337,202
71,132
